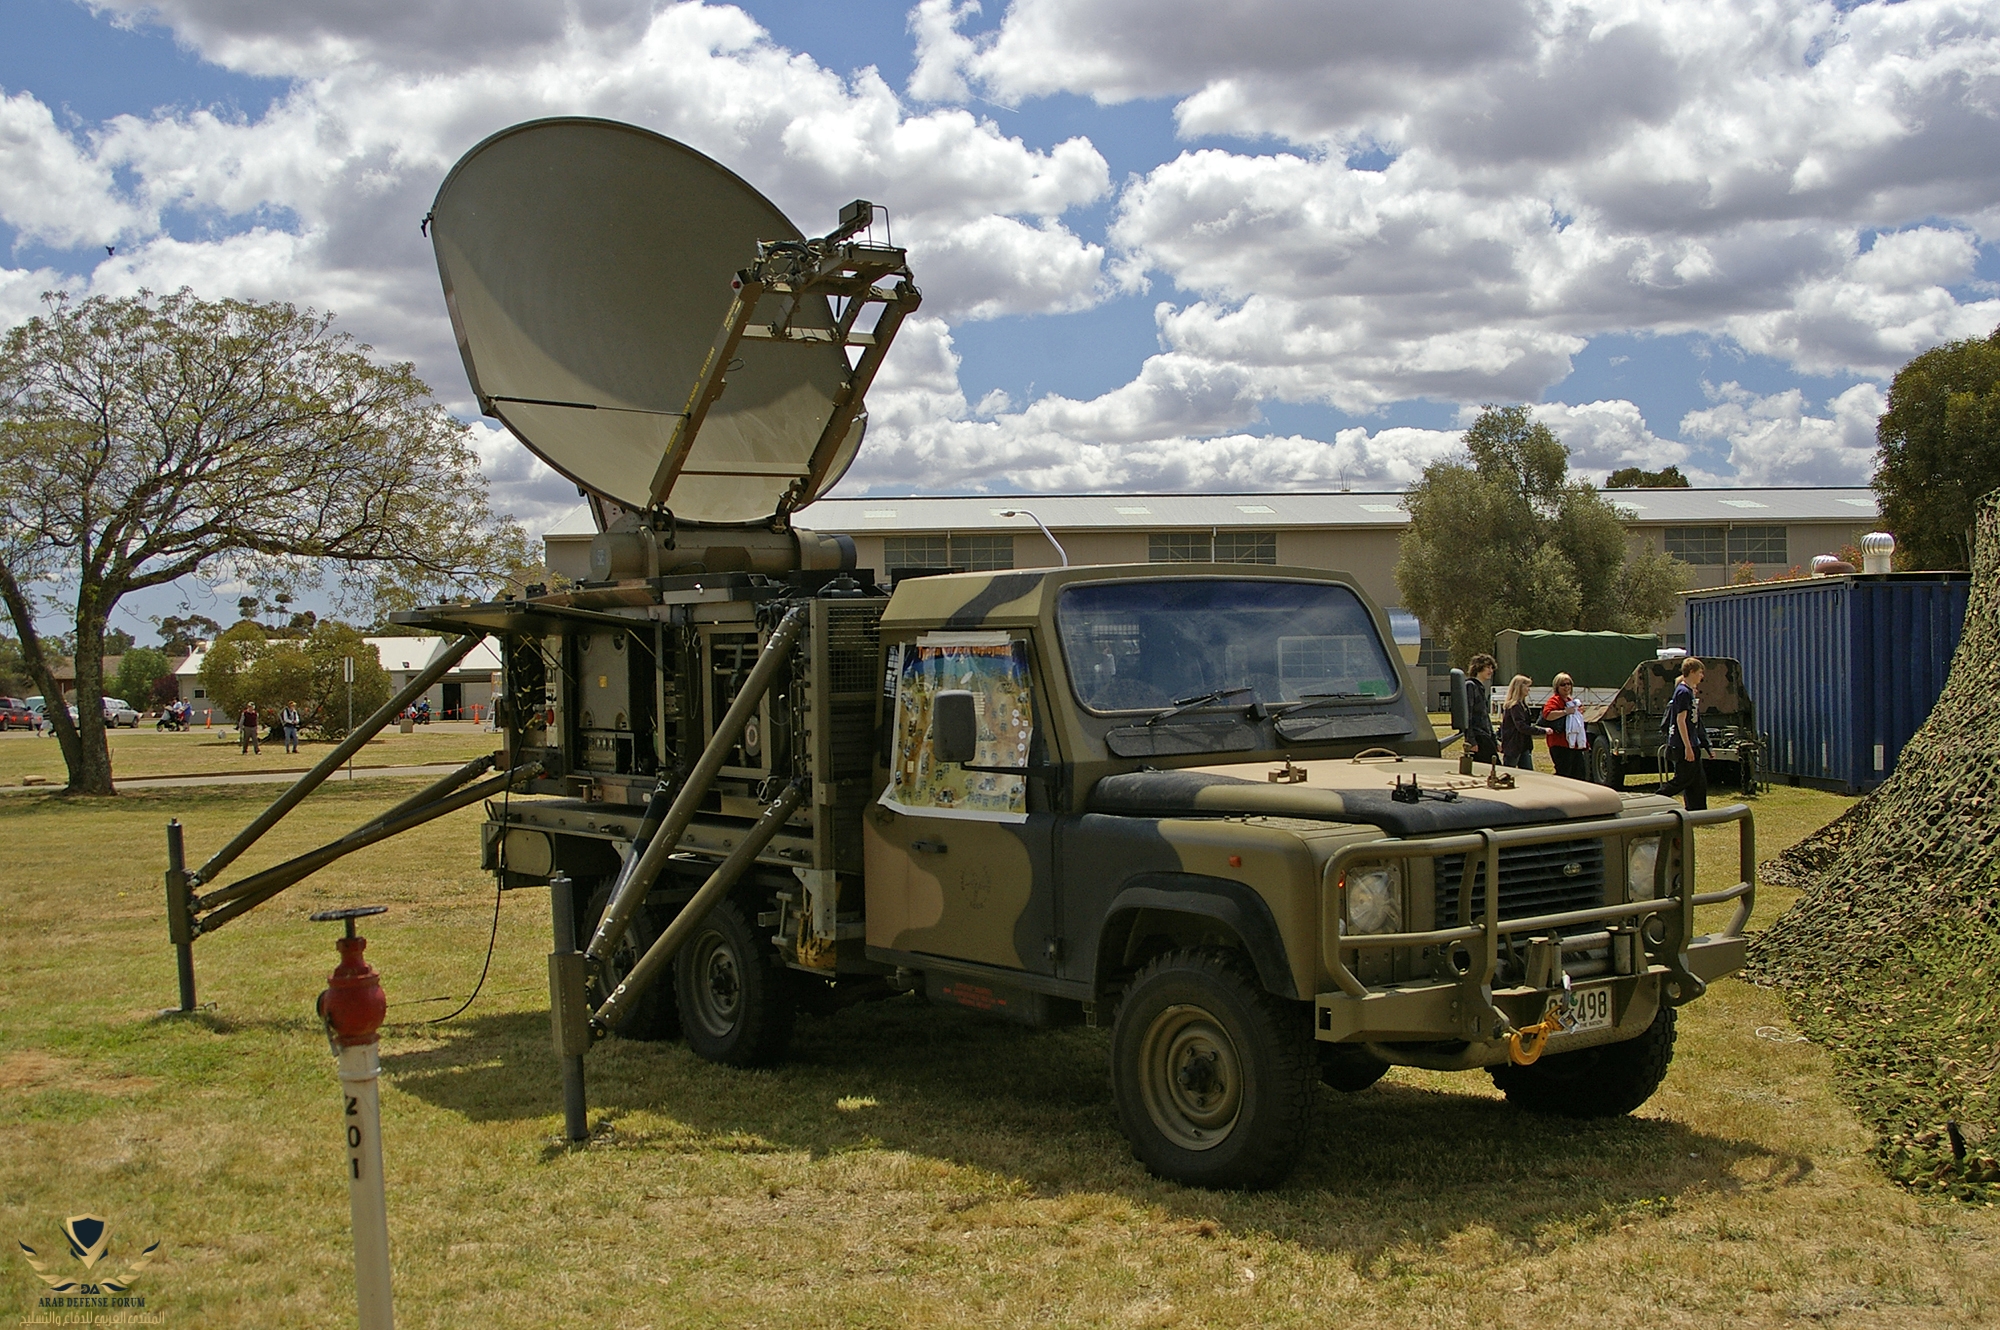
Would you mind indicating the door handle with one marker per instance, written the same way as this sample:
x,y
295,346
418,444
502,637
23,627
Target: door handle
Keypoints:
x,y
929,846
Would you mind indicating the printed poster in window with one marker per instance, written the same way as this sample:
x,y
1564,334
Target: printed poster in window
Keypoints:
x,y
994,669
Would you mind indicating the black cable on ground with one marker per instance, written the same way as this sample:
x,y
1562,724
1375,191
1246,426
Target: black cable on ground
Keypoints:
x,y
483,968
499,876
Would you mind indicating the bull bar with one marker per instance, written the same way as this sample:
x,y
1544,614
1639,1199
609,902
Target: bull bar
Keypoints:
x,y
1687,963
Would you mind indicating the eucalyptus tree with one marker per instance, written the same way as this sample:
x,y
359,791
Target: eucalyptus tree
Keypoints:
x,y
1503,537
150,438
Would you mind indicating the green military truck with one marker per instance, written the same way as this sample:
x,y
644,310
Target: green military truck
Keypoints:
x,y
1199,805
1628,733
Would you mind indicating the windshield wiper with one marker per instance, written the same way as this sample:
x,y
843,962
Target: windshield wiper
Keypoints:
x,y
1190,703
1312,699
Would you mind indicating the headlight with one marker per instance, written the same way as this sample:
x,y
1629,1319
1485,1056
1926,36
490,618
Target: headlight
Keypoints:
x,y
1641,858
1375,899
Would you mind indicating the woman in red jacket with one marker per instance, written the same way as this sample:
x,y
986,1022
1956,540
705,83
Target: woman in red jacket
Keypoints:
x,y
1569,759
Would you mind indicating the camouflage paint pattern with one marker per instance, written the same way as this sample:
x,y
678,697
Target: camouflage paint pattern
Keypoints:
x,y
1116,844
1646,694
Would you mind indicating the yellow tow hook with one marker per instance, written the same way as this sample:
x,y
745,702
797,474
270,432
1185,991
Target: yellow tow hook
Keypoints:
x,y
1524,1046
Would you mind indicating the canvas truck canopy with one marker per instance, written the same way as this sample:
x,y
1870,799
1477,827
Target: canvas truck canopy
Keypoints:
x,y
1593,660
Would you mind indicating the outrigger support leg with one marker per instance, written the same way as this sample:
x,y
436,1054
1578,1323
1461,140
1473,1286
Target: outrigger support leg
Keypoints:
x,y
331,763
636,879
226,903
661,953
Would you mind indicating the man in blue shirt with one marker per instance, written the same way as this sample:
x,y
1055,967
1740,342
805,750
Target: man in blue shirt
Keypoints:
x,y
1686,741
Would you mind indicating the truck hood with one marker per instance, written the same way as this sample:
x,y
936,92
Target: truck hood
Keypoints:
x,y
1343,790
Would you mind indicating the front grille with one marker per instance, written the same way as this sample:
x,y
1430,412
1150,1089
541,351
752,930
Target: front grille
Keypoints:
x,y
1534,879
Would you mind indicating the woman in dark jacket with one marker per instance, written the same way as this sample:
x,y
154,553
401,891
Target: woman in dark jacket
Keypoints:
x,y
1517,726
1479,709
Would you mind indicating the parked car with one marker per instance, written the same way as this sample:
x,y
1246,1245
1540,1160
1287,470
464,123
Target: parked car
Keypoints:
x,y
15,714
117,711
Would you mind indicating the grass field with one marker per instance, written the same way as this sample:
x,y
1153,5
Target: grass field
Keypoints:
x,y
910,1166
146,752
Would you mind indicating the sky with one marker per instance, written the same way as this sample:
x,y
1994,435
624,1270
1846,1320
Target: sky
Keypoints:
x,y
1164,244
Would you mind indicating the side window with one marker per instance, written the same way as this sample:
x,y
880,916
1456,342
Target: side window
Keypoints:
x,y
993,667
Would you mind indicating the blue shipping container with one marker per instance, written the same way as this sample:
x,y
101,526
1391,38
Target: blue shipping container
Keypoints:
x,y
1841,670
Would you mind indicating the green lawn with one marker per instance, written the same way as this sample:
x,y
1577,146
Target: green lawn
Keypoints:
x,y
910,1166
147,752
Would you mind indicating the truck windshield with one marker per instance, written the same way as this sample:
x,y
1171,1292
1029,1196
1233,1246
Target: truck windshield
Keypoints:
x,y
1142,646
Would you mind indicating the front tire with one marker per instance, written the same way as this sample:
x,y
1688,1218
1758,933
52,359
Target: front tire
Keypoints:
x,y
1604,1082
1213,1076
736,999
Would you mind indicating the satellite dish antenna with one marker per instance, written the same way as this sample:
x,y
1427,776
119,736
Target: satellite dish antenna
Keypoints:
x,y
604,284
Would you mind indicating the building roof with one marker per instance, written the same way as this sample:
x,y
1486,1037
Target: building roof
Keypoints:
x,y
1362,510
1746,506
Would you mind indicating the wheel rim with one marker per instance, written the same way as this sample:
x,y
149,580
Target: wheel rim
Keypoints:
x,y
718,984
1191,1078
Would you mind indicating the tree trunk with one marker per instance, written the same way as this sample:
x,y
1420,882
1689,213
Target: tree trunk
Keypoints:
x,y
32,653
90,763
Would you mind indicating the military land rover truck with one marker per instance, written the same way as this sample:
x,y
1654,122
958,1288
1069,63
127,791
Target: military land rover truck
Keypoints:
x,y
1199,805
1628,734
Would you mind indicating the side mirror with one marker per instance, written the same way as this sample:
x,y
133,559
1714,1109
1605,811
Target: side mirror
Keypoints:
x,y
954,726
1458,700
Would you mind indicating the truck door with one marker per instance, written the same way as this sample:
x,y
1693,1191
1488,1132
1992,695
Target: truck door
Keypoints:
x,y
959,860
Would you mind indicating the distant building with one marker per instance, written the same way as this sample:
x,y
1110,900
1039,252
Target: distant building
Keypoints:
x,y
1713,530
465,693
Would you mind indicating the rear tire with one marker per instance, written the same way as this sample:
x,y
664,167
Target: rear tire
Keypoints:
x,y
1604,1082
1213,1076
1610,772
653,1015
736,999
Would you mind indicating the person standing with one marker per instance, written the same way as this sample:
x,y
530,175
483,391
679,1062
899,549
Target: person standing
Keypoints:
x,y
1686,740
252,737
1517,726
1479,709
1566,755
289,718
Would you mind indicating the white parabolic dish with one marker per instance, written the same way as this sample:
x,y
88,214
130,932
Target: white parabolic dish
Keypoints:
x,y
587,268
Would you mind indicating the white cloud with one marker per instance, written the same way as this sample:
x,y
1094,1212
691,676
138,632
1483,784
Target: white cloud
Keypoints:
x,y
51,188
521,484
318,200
1878,310
1774,441
1606,435
1555,172
1812,183
941,50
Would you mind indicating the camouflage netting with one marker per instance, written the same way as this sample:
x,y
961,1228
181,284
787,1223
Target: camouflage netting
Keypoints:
x,y
1891,957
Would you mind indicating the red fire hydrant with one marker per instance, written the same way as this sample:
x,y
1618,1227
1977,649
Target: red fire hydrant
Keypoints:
x,y
352,1008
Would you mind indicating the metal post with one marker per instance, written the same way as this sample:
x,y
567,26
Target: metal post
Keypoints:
x,y
569,1011
347,668
180,916
352,1007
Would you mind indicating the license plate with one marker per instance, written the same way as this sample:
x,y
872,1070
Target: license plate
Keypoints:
x,y
1592,1010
